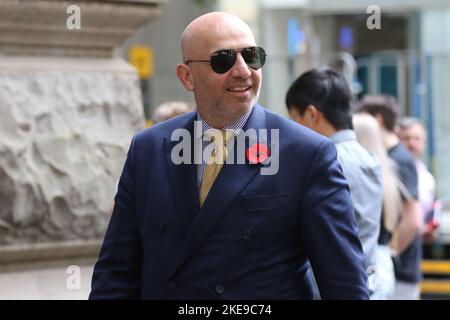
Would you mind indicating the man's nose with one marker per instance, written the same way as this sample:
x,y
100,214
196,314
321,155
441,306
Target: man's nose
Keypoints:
x,y
240,68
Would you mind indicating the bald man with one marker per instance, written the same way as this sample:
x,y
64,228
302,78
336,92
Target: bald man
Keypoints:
x,y
231,201
413,135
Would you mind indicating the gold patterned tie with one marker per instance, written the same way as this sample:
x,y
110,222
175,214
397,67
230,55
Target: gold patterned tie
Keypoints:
x,y
215,162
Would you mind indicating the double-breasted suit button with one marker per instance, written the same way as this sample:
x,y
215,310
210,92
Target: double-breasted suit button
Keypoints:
x,y
172,285
219,288
162,227
247,234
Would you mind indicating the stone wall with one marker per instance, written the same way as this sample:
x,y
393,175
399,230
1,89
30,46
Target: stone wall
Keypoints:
x,y
65,126
39,27
68,111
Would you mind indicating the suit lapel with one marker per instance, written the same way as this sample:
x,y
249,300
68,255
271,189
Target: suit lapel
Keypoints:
x,y
183,179
231,181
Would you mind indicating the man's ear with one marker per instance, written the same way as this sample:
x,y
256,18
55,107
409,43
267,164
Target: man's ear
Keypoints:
x,y
185,76
312,113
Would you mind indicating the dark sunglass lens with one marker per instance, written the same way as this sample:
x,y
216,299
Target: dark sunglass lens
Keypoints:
x,y
222,61
255,57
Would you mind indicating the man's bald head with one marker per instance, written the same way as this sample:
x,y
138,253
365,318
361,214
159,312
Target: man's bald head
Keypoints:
x,y
413,134
199,33
221,98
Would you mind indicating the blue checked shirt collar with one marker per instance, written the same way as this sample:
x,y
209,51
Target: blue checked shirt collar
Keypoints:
x,y
234,126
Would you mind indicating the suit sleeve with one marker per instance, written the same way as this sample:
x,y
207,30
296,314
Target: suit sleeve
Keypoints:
x,y
329,229
117,271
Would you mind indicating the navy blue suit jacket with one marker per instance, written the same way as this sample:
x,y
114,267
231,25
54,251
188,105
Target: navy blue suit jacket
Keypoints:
x,y
255,236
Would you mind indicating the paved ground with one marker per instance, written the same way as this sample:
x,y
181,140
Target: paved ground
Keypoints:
x,y
47,284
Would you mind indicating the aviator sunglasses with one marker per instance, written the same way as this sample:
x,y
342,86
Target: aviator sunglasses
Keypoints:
x,y
223,60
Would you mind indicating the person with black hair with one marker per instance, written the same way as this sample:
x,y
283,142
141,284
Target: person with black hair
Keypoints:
x,y
321,100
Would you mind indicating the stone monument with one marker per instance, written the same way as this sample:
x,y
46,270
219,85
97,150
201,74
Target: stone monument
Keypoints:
x,y
68,110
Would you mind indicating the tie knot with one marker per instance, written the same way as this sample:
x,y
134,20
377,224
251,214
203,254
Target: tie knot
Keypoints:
x,y
219,137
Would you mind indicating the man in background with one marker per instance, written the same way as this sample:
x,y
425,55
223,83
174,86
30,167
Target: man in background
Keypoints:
x,y
413,135
171,109
321,100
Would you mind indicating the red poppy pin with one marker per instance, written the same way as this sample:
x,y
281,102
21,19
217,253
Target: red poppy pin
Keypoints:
x,y
257,153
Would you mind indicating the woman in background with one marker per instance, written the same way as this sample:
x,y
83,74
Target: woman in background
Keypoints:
x,y
369,136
